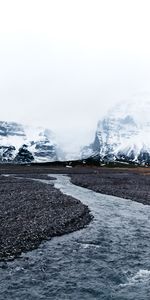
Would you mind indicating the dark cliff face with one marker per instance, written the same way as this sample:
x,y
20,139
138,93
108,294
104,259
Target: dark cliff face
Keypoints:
x,y
44,149
20,144
11,129
24,155
109,155
7,153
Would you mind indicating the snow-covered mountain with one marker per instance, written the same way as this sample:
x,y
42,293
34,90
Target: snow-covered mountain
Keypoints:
x,y
20,143
124,134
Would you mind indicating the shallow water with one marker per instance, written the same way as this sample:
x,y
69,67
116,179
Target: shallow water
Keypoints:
x,y
109,259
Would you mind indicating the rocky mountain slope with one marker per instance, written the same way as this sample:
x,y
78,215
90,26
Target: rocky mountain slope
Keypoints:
x,y
22,144
123,135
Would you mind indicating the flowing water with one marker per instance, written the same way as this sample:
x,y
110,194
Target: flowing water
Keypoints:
x,y
109,259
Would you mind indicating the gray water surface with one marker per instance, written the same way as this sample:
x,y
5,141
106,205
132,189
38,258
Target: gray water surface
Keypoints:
x,y
109,259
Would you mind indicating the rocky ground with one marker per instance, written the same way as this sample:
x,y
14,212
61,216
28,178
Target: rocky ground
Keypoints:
x,y
31,212
133,184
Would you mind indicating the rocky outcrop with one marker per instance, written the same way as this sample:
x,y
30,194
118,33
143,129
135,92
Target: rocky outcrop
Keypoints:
x,y
7,153
24,155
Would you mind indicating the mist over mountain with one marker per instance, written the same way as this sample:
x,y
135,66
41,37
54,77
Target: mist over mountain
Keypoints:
x,y
123,134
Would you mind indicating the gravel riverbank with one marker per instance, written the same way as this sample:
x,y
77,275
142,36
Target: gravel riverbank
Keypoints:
x,y
133,184
31,212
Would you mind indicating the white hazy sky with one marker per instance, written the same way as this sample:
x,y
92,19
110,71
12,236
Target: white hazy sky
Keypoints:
x,y
63,63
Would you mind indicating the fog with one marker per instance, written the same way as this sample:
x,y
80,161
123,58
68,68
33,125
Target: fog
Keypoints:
x,y
63,64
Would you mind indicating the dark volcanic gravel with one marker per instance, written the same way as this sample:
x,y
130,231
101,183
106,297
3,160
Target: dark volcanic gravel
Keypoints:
x,y
31,212
127,184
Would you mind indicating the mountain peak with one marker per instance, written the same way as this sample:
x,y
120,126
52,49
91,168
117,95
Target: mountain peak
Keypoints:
x,y
137,109
21,144
124,133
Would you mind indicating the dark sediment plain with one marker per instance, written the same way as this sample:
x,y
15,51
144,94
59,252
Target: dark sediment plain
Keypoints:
x,y
133,184
31,212
107,260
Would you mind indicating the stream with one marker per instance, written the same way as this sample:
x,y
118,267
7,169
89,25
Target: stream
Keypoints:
x,y
108,259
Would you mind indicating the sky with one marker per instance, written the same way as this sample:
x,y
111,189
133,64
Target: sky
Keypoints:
x,y
64,63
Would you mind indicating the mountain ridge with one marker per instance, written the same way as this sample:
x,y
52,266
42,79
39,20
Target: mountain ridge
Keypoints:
x,y
23,144
123,135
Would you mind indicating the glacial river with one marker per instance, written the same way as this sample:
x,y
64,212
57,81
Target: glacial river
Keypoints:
x,y
109,259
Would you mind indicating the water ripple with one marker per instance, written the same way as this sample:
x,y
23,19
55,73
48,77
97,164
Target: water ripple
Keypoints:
x,y
109,259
